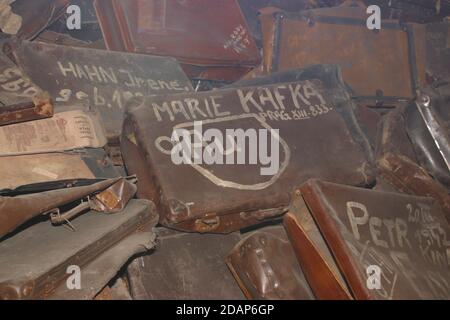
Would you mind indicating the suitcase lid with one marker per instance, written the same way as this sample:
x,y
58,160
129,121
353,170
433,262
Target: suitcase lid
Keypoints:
x,y
318,137
39,256
403,236
380,71
101,79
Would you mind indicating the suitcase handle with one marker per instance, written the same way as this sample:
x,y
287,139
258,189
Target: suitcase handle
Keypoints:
x,y
57,218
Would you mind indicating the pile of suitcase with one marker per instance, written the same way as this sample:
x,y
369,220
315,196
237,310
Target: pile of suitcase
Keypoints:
x,y
358,207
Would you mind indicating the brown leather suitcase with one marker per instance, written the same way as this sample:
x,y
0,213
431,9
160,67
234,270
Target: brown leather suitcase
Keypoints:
x,y
265,267
34,262
210,39
62,201
101,79
185,266
381,67
365,244
89,163
318,137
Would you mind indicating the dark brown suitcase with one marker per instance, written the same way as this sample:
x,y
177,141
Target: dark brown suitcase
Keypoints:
x,y
98,273
382,67
87,163
210,39
101,79
365,244
319,137
34,262
265,267
185,266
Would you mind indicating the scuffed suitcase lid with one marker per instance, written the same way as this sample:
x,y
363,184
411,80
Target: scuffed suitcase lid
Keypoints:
x,y
35,260
404,236
103,79
388,64
318,138
64,131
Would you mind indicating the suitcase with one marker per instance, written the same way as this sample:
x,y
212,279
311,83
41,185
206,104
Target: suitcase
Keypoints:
x,y
20,99
265,267
428,127
210,39
223,198
102,79
19,206
185,266
398,163
365,244
98,273
34,262
381,67
89,163
64,131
